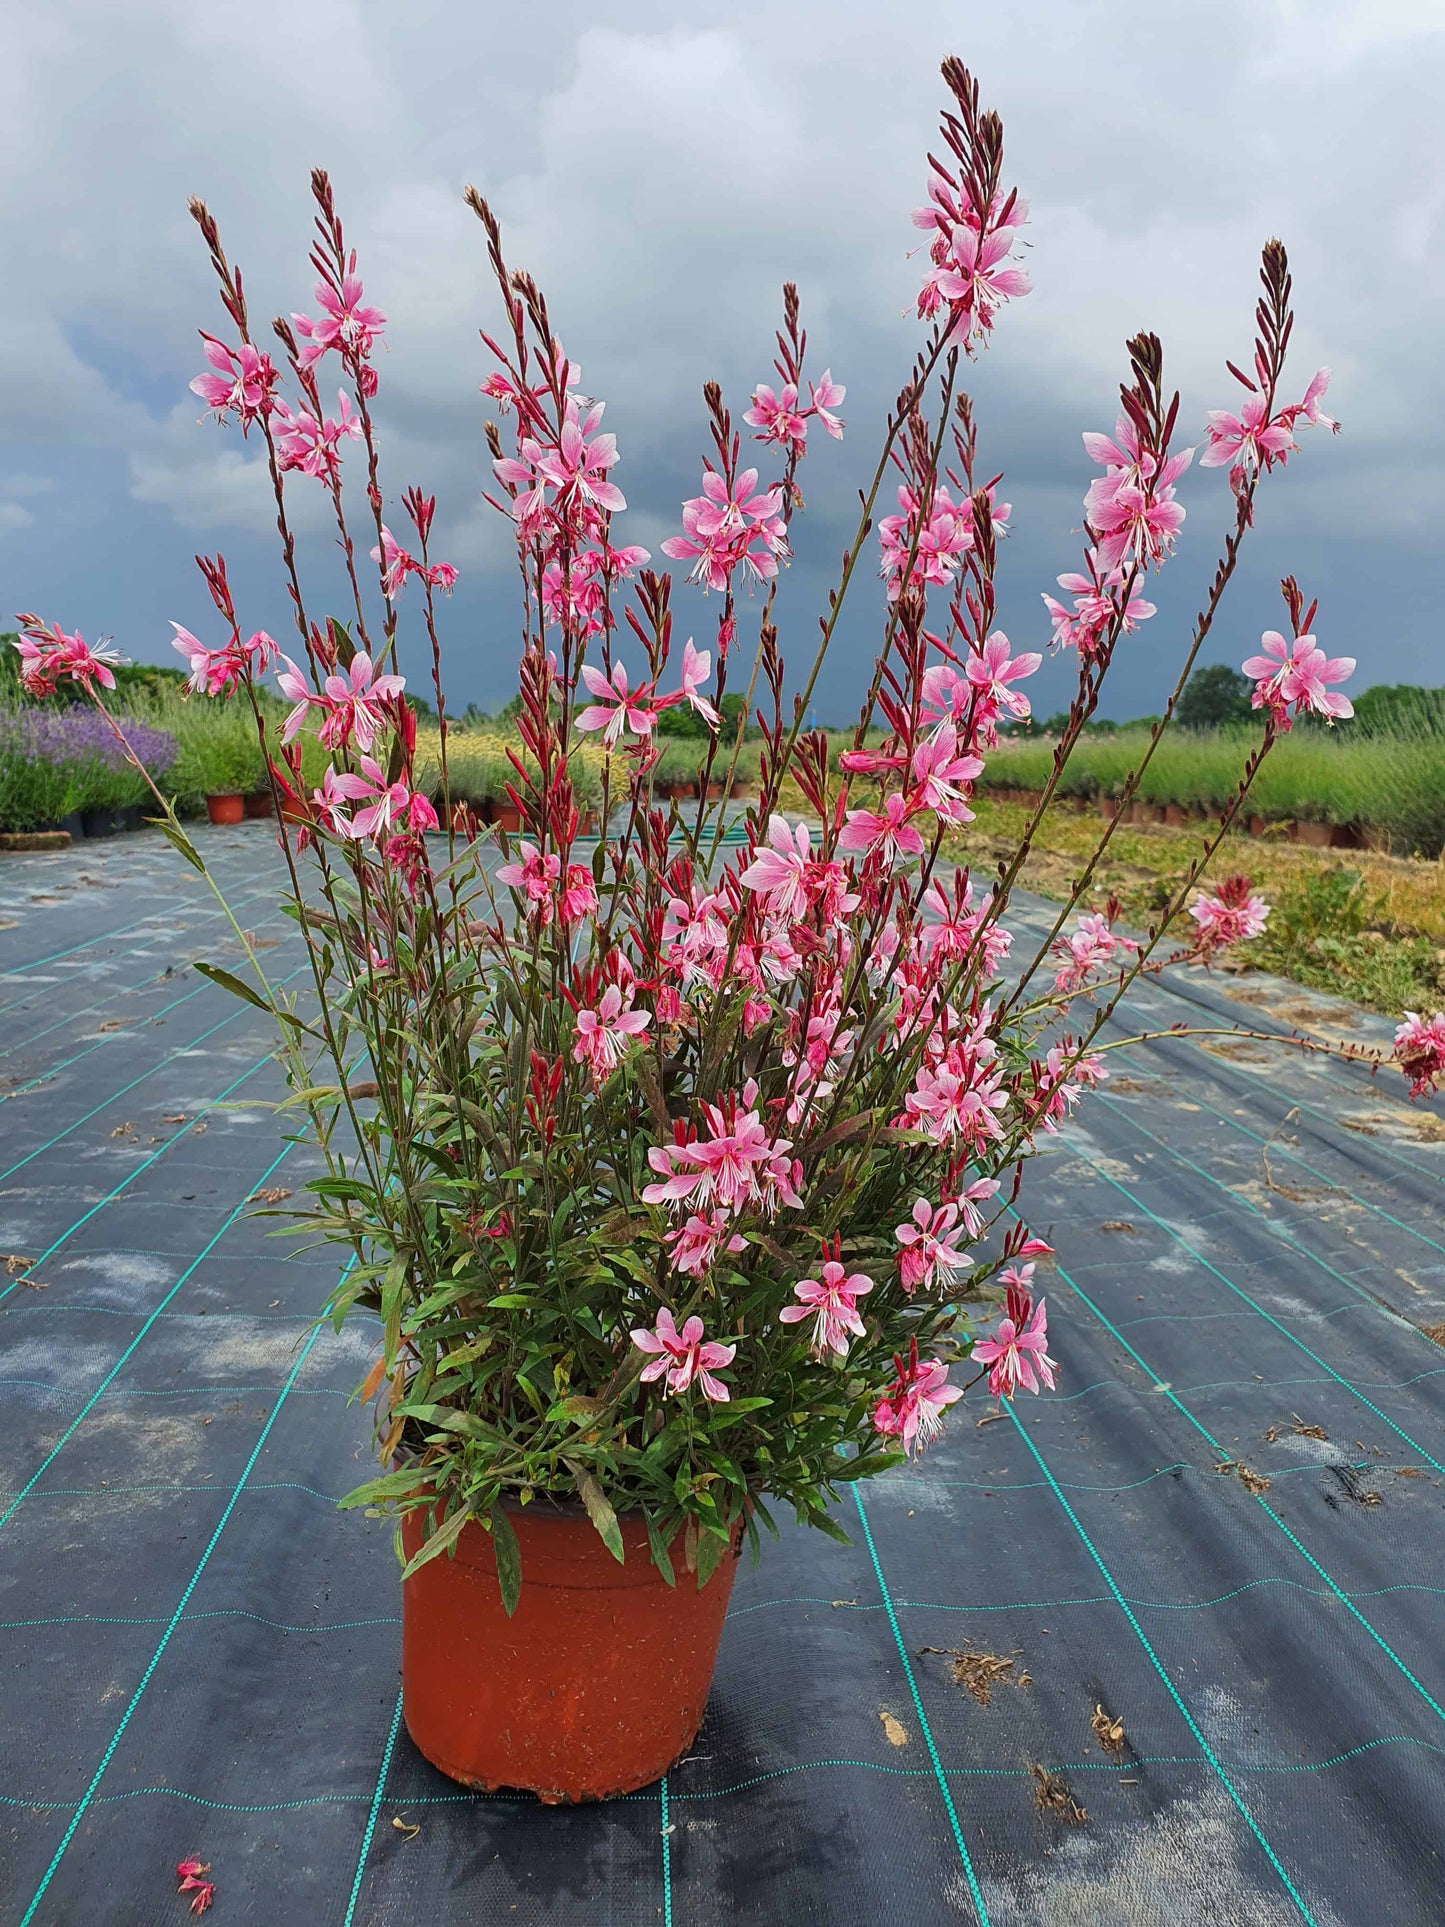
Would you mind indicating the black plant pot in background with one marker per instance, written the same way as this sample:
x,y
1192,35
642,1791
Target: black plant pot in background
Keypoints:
x,y
74,823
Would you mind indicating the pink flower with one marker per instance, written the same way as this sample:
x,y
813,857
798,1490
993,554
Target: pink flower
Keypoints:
x,y
724,529
956,1098
536,876
696,668
1061,1080
618,709
991,673
913,1406
1090,946
943,778
350,704
1233,916
1420,1051
1249,437
397,565
1137,521
780,872
1096,609
737,1165
1310,408
1020,1347
1294,674
604,1034
49,657
579,467
338,788
776,417
969,273
216,672
938,545
832,1302
314,447
579,896
697,1242
391,803
827,394
684,1356
242,383
928,1245
344,323
203,1892
888,832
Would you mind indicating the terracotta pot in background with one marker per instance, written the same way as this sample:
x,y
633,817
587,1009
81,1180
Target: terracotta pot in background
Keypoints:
x,y
507,817
1175,815
1256,825
1314,836
1108,807
259,803
230,807
595,1686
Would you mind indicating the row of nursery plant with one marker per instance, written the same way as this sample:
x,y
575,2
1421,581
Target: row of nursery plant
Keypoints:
x,y
1392,784
59,763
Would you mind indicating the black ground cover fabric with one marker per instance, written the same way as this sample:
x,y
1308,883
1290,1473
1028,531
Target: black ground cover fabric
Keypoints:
x,y
1223,1533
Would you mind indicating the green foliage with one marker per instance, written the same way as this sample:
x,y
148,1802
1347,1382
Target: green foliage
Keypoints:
x,y
1400,709
1215,694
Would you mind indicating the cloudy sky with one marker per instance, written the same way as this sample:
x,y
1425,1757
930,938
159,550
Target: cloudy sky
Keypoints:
x,y
662,179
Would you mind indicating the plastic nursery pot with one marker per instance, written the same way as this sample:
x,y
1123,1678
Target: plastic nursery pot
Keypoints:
x,y
104,822
228,807
259,803
594,1687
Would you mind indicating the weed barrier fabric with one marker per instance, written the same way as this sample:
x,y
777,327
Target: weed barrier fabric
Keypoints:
x,y
1198,1588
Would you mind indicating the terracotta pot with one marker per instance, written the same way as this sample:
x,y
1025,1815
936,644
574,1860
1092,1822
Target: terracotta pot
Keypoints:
x,y
1256,825
1175,815
1314,836
1108,807
678,792
594,1687
507,817
587,824
229,807
259,803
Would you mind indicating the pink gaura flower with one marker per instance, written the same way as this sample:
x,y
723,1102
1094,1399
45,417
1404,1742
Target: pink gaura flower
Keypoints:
x,y
1060,1081
397,565
1137,522
350,703
776,417
338,788
738,1164
604,1034
1420,1051
992,671
617,708
49,657
725,529
345,323
696,668
1291,676
1310,408
912,1408
1091,946
312,446
1020,1346
1249,437
888,831
536,877
969,272
685,1356
831,1302
203,1892
697,1242
779,872
217,672
952,936
1098,607
826,395
956,1098
1233,915
241,384
938,545
391,805
943,778
577,466
928,1246
579,895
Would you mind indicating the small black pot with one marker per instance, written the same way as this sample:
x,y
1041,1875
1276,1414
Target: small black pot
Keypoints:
x,y
102,822
74,823
133,816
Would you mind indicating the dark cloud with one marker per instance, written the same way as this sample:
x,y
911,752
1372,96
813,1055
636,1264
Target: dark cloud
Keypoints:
x,y
662,180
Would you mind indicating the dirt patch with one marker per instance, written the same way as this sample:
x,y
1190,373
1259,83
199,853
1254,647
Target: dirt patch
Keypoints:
x,y
1252,1481
1423,1127
1108,1731
1052,1795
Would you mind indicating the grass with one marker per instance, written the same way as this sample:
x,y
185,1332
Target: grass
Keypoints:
x,y
1393,785
1368,926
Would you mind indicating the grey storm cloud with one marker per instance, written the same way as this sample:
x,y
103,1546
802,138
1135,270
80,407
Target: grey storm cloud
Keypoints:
x,y
661,180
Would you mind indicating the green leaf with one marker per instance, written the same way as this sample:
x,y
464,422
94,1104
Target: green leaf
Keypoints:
x,y
510,1301
825,1524
601,1514
508,1555
736,1408
661,1552
393,1485
177,836
438,1542
711,1546
230,982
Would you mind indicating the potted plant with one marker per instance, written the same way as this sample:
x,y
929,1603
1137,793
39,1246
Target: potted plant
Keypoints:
x,y
680,1175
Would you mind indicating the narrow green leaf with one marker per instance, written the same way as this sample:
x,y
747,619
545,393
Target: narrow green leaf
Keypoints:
x,y
438,1542
508,1555
228,981
177,836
